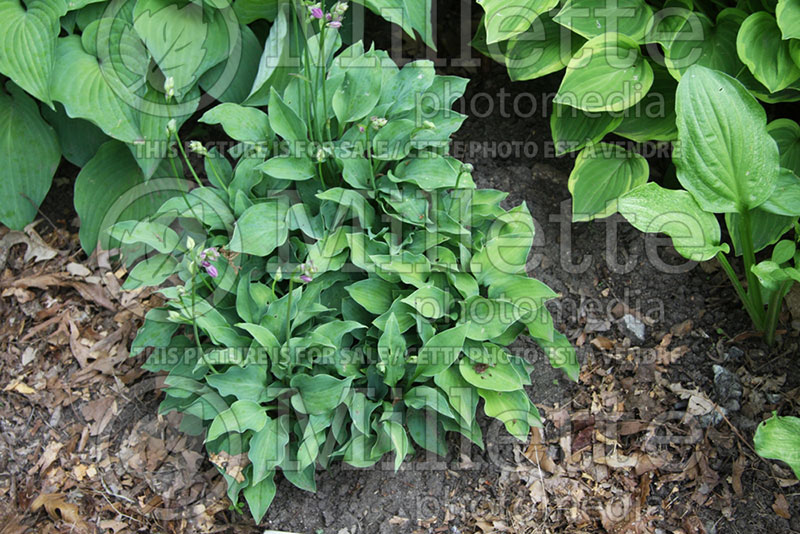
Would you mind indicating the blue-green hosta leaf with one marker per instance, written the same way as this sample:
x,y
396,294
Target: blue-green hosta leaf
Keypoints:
x,y
702,42
157,332
374,294
151,272
695,233
245,124
786,133
244,383
411,268
591,18
276,61
184,41
289,168
402,90
504,19
259,496
399,438
286,123
352,204
30,154
788,14
778,438
607,74
411,15
424,397
28,36
251,10
231,80
242,415
572,129
82,85
155,235
268,447
111,188
321,393
513,408
725,156
430,172
360,90
441,351
603,173
542,49
765,53
392,351
429,301
261,229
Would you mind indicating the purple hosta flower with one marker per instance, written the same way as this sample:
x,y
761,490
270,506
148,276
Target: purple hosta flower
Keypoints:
x,y
305,278
210,253
316,11
210,269
362,128
307,271
335,24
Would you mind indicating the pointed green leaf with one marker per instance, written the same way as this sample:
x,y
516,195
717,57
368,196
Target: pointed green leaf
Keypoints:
x,y
765,53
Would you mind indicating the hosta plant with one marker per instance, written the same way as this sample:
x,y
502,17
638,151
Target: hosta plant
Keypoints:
x,y
728,163
343,292
778,438
77,74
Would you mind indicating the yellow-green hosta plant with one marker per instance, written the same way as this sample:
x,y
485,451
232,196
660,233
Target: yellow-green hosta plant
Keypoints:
x,y
728,163
778,438
343,292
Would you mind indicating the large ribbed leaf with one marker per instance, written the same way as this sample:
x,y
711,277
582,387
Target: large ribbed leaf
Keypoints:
x,y
765,53
30,154
28,42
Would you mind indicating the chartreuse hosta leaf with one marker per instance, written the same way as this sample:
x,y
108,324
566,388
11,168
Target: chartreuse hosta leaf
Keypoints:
x,y
590,18
778,438
788,14
28,33
540,50
651,208
30,153
603,173
725,156
608,73
513,408
766,54
506,19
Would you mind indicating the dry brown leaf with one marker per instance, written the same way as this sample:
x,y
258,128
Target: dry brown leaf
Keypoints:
x,y
602,343
781,506
49,456
59,510
681,329
233,465
20,387
37,249
736,476
537,452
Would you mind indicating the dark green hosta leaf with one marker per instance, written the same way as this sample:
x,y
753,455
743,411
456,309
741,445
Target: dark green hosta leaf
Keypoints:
x,y
441,351
374,294
268,447
653,118
607,74
276,61
399,439
261,229
242,415
28,36
30,154
426,397
540,50
401,92
360,90
79,139
513,408
590,18
321,393
245,124
778,438
765,228
765,53
231,80
350,201
505,19
786,133
725,156
572,129
259,496
286,123
426,431
702,42
788,14
412,269
785,200
151,272
695,233
244,383
156,332
462,396
602,174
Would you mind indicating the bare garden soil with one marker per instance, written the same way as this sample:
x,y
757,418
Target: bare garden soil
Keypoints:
x,y
656,436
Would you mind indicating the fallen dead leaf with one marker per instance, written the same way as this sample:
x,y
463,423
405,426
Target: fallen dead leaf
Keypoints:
x,y
49,456
781,506
20,387
59,510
